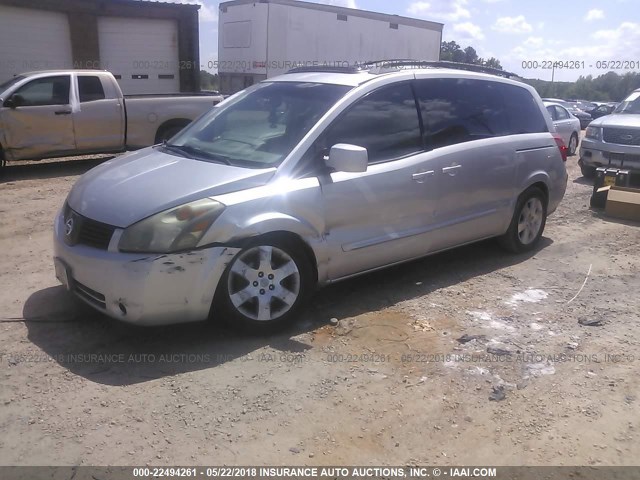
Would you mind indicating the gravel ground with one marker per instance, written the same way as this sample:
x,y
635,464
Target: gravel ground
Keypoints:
x,y
473,356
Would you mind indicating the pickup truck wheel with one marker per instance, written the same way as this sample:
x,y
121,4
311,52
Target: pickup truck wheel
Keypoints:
x,y
264,286
588,172
573,144
527,223
169,130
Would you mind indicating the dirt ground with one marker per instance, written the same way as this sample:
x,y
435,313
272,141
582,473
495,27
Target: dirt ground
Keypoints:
x,y
390,384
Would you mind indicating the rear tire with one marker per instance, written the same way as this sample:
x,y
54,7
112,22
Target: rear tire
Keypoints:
x,y
528,222
166,132
573,144
264,287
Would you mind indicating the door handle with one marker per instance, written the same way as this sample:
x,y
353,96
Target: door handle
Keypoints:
x,y
452,170
420,177
63,112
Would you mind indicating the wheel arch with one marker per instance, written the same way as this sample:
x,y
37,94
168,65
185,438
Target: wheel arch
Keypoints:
x,y
173,123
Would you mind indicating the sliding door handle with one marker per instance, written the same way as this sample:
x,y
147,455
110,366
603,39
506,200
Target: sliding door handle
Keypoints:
x,y
420,177
452,170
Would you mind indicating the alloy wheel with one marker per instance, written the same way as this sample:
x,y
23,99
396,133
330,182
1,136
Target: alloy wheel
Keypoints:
x,y
530,220
263,283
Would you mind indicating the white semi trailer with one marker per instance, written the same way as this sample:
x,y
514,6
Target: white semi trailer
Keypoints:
x,y
258,39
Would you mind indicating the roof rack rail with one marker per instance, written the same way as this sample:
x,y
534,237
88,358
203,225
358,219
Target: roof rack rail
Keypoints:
x,y
325,69
438,64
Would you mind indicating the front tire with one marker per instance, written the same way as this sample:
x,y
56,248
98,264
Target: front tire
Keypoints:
x,y
265,285
527,223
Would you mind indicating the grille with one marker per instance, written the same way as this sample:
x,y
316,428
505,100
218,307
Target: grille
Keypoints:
x,y
95,234
621,136
85,231
91,296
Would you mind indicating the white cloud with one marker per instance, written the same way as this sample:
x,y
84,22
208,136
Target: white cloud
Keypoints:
x,y
512,25
468,30
339,3
594,14
448,10
535,42
622,43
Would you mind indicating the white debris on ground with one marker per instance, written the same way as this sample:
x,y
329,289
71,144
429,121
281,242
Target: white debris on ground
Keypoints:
x,y
532,295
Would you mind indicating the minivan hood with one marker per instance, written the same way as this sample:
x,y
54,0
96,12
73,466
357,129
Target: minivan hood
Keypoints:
x,y
129,188
629,120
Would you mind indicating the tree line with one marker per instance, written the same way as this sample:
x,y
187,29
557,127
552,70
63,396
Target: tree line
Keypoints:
x,y
608,87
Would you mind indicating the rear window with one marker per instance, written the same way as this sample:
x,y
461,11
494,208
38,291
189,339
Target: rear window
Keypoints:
x,y
456,110
523,111
90,88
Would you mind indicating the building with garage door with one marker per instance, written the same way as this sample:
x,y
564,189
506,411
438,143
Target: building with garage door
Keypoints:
x,y
150,47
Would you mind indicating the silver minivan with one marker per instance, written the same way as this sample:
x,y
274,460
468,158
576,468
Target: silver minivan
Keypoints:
x,y
304,180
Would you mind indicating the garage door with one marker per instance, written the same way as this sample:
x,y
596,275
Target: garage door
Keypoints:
x,y
141,53
33,40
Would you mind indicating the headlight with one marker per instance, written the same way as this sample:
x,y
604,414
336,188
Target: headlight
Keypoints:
x,y
593,133
179,228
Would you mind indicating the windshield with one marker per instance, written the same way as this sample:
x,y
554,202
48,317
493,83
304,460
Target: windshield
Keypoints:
x,y
630,105
260,126
12,81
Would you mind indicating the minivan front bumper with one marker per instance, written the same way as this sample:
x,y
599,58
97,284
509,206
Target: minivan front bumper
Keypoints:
x,y
144,289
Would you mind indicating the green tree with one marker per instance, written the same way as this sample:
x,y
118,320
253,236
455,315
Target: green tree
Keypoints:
x,y
470,55
452,52
606,87
493,63
208,81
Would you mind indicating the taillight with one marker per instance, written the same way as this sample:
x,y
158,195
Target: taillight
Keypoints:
x,y
564,150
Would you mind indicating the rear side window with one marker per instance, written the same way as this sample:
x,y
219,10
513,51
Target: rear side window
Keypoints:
x,y
458,110
523,112
385,122
562,113
90,88
552,112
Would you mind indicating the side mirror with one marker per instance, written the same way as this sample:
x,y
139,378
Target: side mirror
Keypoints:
x,y
14,101
348,158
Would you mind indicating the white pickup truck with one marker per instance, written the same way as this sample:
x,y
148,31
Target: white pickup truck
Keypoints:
x,y
77,112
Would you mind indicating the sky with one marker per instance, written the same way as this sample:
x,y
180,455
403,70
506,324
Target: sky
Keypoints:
x,y
583,34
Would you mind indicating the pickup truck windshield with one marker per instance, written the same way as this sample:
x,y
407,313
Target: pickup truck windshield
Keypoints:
x,y
630,105
261,126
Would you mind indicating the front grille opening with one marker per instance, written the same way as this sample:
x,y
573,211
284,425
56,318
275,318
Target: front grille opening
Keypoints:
x,y
90,295
621,136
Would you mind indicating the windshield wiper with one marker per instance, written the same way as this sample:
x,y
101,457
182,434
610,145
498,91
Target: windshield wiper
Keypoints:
x,y
196,152
174,149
